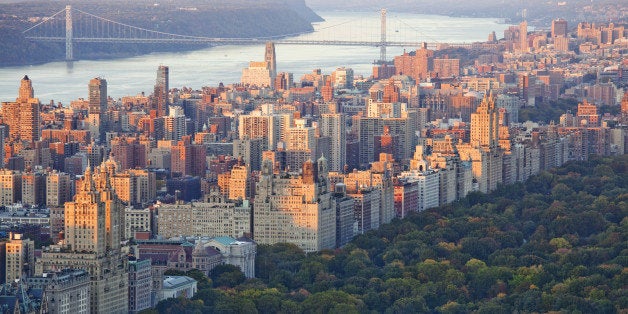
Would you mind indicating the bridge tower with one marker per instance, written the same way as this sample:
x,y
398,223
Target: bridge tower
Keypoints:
x,y
382,47
69,53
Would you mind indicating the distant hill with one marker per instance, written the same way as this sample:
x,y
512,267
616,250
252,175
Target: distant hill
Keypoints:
x,y
210,18
538,12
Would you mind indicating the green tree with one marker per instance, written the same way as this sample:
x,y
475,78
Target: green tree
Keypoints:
x,y
227,275
324,302
408,305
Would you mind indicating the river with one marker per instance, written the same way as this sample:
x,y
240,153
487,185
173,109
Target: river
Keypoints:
x,y
61,82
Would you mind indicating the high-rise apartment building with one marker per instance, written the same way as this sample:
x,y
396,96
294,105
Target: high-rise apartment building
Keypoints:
x,y
345,220
587,113
3,134
342,78
624,105
369,127
258,74
59,189
327,91
250,150
559,28
161,101
366,208
257,125
295,208
334,126
135,186
22,116
484,149
447,67
485,124
19,257
391,92
33,188
138,220
283,81
94,227
239,183
424,62
174,124
97,111
188,158
527,92
128,152
416,64
10,187
301,137
378,184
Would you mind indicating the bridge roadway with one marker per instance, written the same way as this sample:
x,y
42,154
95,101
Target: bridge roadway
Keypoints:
x,y
248,41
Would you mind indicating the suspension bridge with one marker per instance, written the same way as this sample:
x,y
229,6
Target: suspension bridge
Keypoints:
x,y
72,26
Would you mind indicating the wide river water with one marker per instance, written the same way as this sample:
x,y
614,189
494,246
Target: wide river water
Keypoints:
x,y
207,67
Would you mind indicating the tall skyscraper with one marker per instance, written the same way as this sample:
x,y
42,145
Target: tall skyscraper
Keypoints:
x,y
97,95
22,116
269,56
559,28
161,100
97,111
334,125
174,124
94,227
523,36
484,124
163,79
483,151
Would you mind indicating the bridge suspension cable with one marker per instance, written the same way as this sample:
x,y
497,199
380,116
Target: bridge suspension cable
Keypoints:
x,y
87,27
